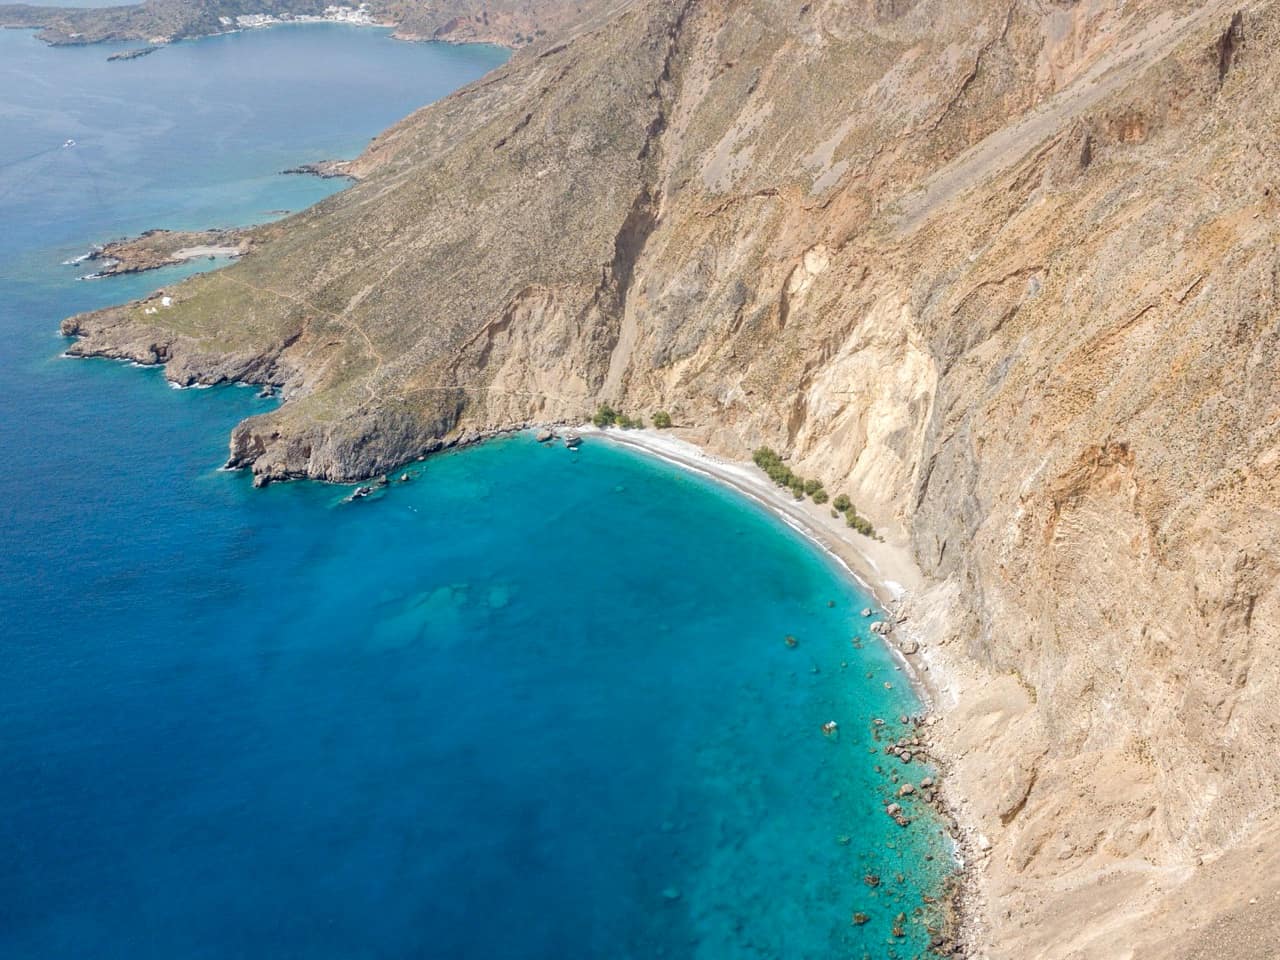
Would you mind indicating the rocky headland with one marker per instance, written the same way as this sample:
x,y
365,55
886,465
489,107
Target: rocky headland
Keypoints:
x,y
1005,272
325,170
164,248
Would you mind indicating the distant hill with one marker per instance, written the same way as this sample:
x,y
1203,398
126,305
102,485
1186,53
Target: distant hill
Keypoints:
x,y
512,23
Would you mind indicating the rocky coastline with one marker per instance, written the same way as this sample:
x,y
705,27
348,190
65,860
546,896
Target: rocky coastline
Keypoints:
x,y
889,572
325,170
164,248
866,562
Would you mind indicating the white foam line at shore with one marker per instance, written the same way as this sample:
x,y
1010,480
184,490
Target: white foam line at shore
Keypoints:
x,y
691,461
738,477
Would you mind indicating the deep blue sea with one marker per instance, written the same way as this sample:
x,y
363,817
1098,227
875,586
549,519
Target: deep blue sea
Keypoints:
x,y
534,704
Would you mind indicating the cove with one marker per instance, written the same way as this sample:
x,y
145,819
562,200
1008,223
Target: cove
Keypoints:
x,y
531,704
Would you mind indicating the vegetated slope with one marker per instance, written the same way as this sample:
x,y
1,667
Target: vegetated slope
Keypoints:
x,y
1005,272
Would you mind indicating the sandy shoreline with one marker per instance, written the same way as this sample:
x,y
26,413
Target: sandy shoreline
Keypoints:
x,y
885,569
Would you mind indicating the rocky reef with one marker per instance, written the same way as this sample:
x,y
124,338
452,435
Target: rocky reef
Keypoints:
x,y
1005,271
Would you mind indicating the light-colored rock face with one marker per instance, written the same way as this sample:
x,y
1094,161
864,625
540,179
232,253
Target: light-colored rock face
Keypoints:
x,y
1004,272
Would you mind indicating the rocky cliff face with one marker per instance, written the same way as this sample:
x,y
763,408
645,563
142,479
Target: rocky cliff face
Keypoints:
x,y
1006,272
509,23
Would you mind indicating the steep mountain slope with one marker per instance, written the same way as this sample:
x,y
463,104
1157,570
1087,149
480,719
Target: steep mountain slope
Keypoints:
x,y
1005,271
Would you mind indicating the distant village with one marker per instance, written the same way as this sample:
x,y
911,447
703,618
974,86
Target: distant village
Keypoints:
x,y
332,14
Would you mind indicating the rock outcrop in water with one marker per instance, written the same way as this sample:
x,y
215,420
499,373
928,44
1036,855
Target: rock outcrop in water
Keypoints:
x,y
1005,271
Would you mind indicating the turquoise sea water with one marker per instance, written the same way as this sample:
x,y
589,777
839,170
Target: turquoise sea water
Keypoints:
x,y
534,704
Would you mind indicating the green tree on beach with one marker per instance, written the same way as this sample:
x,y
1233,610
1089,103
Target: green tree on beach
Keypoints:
x,y
606,416
859,523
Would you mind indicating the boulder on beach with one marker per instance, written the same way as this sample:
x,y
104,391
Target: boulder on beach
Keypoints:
x,y
544,435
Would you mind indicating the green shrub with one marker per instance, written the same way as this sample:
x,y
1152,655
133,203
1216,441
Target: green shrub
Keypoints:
x,y
662,420
765,457
769,461
820,496
842,503
861,524
606,416
812,486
